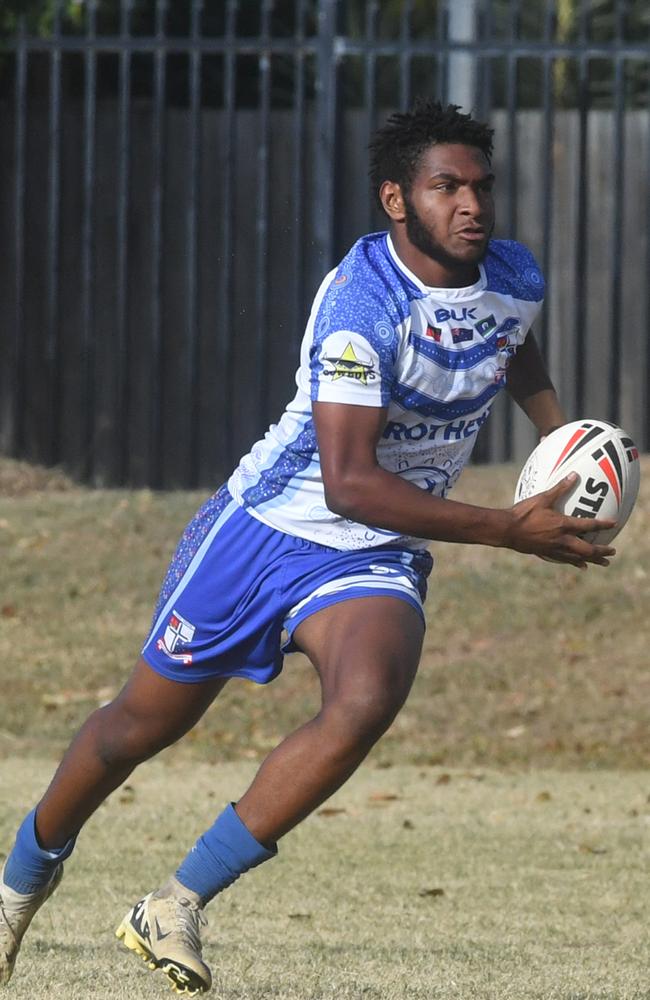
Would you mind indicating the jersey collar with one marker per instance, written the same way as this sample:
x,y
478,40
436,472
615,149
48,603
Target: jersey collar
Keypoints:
x,y
449,294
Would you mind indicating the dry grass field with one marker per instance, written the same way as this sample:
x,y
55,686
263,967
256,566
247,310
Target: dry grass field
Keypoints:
x,y
494,846
411,884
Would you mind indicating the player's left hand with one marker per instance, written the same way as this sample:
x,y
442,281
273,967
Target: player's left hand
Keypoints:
x,y
537,528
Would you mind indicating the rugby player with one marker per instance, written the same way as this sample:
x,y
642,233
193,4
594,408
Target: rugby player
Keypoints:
x,y
318,541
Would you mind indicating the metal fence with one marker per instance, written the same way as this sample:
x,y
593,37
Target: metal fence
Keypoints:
x,y
176,178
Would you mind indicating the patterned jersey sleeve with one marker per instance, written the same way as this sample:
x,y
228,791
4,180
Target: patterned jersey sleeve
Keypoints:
x,y
354,347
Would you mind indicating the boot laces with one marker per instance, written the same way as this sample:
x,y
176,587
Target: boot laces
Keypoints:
x,y
189,919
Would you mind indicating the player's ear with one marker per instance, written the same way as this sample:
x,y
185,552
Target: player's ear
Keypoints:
x,y
392,200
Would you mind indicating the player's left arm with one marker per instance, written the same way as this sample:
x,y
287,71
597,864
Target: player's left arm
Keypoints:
x,y
529,384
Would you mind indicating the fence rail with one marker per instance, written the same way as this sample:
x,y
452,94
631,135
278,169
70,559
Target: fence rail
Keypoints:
x,y
169,203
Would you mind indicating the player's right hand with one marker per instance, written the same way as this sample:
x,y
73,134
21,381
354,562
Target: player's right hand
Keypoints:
x,y
537,528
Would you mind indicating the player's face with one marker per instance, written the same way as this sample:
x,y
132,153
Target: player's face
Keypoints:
x,y
449,211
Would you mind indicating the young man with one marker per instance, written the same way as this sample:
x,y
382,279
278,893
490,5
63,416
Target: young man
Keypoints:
x,y
322,531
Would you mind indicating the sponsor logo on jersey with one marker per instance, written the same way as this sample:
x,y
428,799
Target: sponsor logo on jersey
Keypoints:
x,y
430,478
177,634
349,366
456,430
509,325
457,315
507,334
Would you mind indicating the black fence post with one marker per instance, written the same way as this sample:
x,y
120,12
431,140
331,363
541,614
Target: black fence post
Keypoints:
x,y
18,383
326,125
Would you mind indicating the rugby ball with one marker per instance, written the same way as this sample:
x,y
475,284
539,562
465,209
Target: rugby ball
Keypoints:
x,y
607,463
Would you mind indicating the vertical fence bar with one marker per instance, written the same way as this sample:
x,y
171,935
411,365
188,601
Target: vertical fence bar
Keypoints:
x,y
461,62
226,285
369,90
443,52
192,259
88,333
405,55
512,174
547,180
614,388
297,187
52,347
19,363
581,220
645,395
157,208
123,352
484,70
326,122
262,222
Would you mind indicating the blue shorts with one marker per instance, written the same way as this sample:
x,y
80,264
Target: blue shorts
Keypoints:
x,y
234,584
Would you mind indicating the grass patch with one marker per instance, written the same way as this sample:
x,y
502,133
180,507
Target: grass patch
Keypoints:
x,y
417,883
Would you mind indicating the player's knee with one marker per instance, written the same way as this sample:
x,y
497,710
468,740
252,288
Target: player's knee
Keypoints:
x,y
361,717
124,738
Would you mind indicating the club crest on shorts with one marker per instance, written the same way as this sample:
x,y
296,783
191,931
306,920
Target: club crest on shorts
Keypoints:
x,y
178,633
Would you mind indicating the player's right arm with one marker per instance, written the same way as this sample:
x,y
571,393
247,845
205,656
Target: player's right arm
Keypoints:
x,y
357,487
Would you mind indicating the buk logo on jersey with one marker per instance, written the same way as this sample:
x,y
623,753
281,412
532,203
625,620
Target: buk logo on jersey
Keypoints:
x,y
349,366
177,634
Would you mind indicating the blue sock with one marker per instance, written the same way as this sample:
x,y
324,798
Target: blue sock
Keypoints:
x,y
221,855
29,867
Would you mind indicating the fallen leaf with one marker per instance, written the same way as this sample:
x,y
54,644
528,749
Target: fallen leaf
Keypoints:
x,y
543,797
56,699
591,849
407,825
443,779
8,611
127,795
431,892
383,797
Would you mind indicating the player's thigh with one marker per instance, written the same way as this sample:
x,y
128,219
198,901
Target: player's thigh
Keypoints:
x,y
163,708
364,644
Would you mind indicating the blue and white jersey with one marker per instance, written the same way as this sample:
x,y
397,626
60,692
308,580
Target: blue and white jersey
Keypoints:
x,y
377,336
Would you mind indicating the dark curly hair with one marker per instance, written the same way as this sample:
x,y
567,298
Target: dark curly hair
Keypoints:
x,y
396,147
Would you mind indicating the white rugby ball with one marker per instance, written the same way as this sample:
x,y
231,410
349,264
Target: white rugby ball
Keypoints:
x,y
607,463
